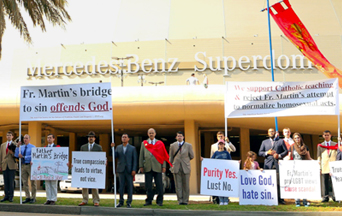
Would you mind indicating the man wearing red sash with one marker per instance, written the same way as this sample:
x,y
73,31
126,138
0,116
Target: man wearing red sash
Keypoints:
x,y
287,138
152,162
326,152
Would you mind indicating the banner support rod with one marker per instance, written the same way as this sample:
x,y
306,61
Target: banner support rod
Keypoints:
x,y
225,117
271,52
113,153
20,188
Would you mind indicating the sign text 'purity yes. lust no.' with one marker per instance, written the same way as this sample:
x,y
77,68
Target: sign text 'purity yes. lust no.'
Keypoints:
x,y
220,180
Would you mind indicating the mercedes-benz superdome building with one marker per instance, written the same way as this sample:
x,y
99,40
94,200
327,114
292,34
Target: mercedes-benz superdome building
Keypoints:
x,y
155,47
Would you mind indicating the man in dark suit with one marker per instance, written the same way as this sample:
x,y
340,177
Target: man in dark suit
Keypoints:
x,y
273,149
126,167
90,146
8,167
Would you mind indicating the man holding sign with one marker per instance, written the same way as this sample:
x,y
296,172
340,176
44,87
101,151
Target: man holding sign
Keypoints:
x,y
51,185
127,165
273,150
90,146
152,161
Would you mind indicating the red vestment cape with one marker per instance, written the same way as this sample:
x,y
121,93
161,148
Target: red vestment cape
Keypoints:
x,y
158,151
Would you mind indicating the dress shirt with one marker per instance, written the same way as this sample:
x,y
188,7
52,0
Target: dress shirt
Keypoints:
x,y
50,145
124,148
152,141
8,144
327,144
27,157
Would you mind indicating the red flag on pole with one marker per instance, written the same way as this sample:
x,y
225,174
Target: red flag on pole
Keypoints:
x,y
296,32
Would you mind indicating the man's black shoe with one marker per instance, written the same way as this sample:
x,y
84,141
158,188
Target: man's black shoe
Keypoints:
x,y
33,201
119,205
27,200
325,199
160,204
184,203
10,200
4,199
147,204
129,205
334,199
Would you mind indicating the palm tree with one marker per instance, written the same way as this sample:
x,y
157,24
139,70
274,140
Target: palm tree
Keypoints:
x,y
51,10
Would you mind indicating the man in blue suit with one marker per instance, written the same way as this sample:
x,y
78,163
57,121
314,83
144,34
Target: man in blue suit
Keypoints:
x,y
127,166
273,149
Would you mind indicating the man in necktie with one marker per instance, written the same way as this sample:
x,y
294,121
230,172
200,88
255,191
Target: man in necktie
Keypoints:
x,y
287,138
180,155
91,146
273,149
326,152
127,157
152,162
51,185
8,167
25,155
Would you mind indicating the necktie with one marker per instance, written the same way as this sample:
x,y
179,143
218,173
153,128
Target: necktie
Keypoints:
x,y
7,148
24,154
180,144
328,149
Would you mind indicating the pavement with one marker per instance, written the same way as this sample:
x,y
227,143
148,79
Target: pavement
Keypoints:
x,y
91,210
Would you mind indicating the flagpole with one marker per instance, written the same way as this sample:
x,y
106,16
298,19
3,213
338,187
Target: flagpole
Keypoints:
x,y
20,189
113,153
271,53
225,117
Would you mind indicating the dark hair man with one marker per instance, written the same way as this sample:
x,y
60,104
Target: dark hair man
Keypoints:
x,y
326,152
126,167
8,166
180,155
273,150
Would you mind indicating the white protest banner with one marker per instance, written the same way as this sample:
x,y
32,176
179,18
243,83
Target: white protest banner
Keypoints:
x,y
88,169
91,101
49,163
299,179
258,188
220,177
272,99
336,178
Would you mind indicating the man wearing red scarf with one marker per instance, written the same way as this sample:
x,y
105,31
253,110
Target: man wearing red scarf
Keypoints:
x,y
152,162
326,152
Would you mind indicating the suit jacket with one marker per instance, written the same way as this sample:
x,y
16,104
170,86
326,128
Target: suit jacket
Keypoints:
x,y
126,161
54,145
182,158
7,159
148,161
324,158
339,155
96,147
280,148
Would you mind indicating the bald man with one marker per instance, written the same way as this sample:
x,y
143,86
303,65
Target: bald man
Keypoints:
x,y
152,168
